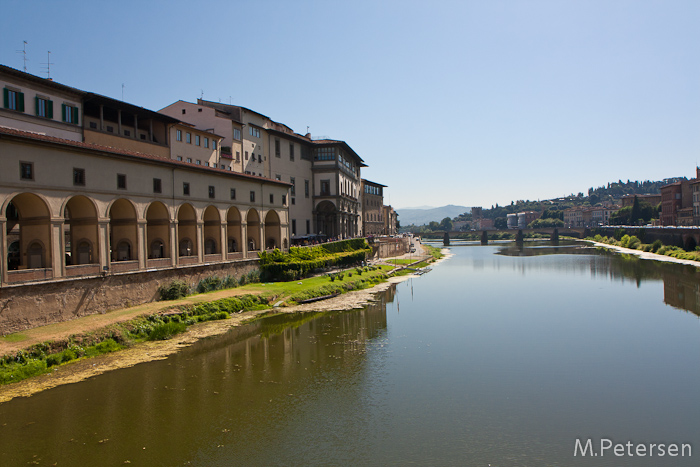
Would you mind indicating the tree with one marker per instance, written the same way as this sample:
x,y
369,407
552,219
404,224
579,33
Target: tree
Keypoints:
x,y
446,224
636,213
500,223
434,225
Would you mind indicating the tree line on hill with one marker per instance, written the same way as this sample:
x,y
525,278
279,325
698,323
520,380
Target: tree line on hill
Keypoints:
x,y
552,210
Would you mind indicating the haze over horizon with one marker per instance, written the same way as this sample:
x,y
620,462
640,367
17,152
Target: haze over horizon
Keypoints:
x,y
458,102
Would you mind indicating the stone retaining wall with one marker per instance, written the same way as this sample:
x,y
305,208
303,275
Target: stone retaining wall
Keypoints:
x,y
31,305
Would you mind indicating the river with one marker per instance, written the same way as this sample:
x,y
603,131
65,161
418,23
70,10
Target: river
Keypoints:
x,y
501,356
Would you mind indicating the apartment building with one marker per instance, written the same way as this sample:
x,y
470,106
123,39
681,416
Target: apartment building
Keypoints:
x,y
113,189
372,208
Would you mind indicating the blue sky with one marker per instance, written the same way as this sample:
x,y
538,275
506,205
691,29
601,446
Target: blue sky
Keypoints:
x,y
449,102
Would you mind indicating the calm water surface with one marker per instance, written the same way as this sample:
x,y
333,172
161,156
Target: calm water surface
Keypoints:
x,y
500,355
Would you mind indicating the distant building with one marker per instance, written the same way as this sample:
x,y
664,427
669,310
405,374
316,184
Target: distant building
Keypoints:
x,y
372,208
628,200
524,218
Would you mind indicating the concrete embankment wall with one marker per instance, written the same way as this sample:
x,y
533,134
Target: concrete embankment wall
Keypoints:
x,y
389,247
31,305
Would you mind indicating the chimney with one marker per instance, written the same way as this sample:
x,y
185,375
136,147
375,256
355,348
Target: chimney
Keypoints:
x,y
308,135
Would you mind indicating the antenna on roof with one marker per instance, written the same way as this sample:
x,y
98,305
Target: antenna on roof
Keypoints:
x,y
24,53
230,100
122,92
202,95
48,65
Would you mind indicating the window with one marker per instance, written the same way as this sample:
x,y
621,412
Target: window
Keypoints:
x,y
254,131
252,196
93,125
213,144
179,158
272,198
79,177
292,180
110,129
291,151
178,135
233,193
308,226
206,142
189,159
199,162
188,138
212,192
185,188
278,177
184,111
236,134
70,113
13,100
238,156
325,154
128,133
157,187
246,155
206,163
196,140
121,181
26,171
294,226
325,187
44,107
294,201
306,188
277,148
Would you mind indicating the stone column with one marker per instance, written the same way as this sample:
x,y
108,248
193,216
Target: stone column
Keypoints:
x,y
174,250
263,245
58,261
224,243
103,240
244,239
141,240
200,241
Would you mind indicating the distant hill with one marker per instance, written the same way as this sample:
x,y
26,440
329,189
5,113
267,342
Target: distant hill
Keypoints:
x,y
423,216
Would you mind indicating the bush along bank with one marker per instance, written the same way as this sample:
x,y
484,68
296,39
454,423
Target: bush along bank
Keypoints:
x,y
300,262
44,357
634,243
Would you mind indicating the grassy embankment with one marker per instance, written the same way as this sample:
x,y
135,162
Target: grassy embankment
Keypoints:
x,y
174,317
657,247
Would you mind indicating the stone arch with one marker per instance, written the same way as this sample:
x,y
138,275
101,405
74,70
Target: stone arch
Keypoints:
x,y
28,225
253,221
123,230
187,230
326,214
212,231
158,230
273,230
80,228
233,230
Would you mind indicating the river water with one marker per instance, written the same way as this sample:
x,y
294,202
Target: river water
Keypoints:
x,y
500,356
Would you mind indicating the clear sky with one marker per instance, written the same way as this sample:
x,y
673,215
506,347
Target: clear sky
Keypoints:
x,y
448,102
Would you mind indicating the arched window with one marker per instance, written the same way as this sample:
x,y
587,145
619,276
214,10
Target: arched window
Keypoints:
x,y
157,249
210,246
186,247
232,246
35,254
124,251
251,244
84,252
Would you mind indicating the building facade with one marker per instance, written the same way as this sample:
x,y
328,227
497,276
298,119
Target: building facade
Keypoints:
x,y
372,208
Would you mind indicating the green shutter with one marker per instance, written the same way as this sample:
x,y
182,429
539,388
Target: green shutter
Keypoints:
x,y
49,109
36,106
20,101
75,115
63,112
6,97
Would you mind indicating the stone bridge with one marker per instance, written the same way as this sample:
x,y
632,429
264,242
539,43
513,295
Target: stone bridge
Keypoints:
x,y
553,232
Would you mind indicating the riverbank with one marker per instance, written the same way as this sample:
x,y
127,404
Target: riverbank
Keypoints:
x,y
156,350
643,254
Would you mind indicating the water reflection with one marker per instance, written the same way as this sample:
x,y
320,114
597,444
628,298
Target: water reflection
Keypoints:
x,y
223,397
681,282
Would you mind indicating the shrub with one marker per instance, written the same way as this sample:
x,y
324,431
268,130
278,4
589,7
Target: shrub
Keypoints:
x,y
166,331
634,242
209,284
174,290
624,241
